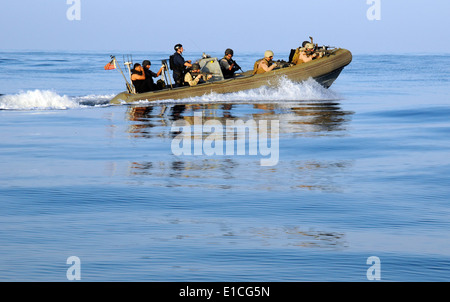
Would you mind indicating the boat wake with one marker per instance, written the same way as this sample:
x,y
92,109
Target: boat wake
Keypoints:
x,y
284,90
50,100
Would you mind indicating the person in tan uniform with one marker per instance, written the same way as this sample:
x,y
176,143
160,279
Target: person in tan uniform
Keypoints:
x,y
194,76
265,64
305,54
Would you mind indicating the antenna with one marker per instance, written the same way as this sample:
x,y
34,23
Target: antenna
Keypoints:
x,y
164,62
127,64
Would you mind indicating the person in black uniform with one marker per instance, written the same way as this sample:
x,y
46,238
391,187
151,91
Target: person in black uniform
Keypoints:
x,y
228,65
139,80
149,75
179,65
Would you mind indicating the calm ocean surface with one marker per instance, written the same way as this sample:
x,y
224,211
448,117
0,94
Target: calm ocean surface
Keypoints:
x,y
363,170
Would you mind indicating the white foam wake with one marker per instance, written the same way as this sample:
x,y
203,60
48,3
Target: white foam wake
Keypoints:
x,y
283,90
287,90
47,100
36,99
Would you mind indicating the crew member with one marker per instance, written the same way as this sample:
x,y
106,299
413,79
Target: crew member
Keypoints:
x,y
228,65
149,75
194,76
265,64
306,54
179,65
139,80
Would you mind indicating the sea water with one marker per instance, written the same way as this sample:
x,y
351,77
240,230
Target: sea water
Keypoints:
x,y
363,174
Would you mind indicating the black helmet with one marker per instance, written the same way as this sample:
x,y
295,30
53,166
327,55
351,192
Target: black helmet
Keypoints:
x,y
229,51
178,46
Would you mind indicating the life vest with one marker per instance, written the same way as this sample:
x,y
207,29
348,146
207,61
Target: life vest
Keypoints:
x,y
257,69
225,71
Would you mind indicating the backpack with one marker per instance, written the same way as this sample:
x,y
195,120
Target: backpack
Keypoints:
x,y
295,53
171,63
291,55
160,84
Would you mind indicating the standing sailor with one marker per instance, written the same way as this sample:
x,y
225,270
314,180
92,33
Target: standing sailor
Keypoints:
x,y
179,65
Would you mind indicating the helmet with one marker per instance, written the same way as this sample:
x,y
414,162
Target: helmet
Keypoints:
x,y
309,45
268,53
229,51
178,46
195,66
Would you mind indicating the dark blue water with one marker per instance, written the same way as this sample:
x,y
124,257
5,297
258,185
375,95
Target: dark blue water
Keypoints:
x,y
363,171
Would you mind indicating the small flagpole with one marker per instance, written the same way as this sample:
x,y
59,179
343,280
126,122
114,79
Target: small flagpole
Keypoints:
x,y
129,86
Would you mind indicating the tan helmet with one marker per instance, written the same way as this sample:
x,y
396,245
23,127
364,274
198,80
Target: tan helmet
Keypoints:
x,y
309,45
268,53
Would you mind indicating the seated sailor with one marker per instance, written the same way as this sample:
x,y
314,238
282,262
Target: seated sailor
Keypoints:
x,y
194,76
228,65
149,75
265,64
140,81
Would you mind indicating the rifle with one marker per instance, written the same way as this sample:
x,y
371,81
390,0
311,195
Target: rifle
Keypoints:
x,y
236,66
204,74
325,50
321,50
282,64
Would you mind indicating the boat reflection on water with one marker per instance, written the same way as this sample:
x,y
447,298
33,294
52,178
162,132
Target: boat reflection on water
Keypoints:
x,y
299,118
295,170
225,232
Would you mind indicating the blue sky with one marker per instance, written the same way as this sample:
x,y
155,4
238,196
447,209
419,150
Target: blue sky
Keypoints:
x,y
136,25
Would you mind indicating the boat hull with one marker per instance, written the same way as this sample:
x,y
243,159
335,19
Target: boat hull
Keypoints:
x,y
324,70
